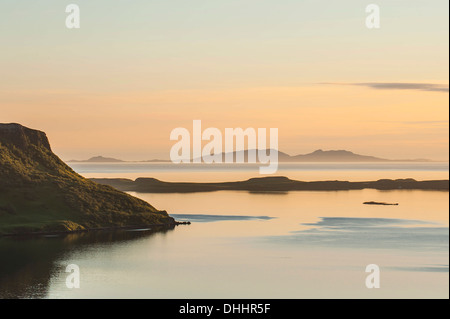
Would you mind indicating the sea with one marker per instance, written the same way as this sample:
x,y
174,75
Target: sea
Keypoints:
x,y
298,244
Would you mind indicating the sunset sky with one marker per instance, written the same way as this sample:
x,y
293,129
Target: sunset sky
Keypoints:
x,y
135,70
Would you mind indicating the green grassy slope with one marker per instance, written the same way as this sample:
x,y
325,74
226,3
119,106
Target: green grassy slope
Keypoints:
x,y
39,192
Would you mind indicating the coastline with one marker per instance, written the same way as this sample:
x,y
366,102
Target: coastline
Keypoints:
x,y
97,229
268,184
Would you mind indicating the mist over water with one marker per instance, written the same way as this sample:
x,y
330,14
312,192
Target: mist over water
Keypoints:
x,y
233,172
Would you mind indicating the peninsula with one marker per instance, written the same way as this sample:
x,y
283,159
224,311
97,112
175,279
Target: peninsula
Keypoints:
x,y
40,193
268,184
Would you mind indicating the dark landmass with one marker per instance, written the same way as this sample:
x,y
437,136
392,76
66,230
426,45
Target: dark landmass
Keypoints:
x,y
40,193
268,184
380,203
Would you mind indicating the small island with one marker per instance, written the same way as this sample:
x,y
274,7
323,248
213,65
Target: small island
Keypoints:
x,y
380,203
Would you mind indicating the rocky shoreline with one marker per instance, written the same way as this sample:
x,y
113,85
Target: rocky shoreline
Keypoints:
x,y
97,229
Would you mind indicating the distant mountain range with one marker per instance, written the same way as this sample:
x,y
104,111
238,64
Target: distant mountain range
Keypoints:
x,y
101,159
316,156
338,156
98,159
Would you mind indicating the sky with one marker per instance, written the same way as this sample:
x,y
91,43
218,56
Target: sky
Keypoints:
x,y
137,69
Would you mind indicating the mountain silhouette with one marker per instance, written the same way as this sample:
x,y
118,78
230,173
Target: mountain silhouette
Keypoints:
x,y
98,159
322,156
335,156
316,156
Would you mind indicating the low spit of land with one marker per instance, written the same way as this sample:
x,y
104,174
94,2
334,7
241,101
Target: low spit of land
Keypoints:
x,y
268,184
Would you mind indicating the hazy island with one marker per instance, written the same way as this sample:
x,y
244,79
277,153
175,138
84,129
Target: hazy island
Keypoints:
x,y
97,159
318,156
40,193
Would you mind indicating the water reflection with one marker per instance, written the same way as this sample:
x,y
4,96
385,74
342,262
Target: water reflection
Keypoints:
x,y
27,264
299,252
234,172
372,233
203,218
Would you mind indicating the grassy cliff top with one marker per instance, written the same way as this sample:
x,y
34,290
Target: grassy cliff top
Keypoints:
x,y
39,192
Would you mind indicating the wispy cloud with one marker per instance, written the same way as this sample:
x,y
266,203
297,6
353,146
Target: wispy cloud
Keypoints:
x,y
431,87
433,268
431,123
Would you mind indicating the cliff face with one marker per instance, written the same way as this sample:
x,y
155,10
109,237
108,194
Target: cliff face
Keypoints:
x,y
39,192
23,137
26,157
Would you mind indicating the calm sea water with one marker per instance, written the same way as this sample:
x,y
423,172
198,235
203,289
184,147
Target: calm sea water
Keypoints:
x,y
251,245
234,172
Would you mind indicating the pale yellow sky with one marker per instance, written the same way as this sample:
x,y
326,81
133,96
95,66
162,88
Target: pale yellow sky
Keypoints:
x,y
397,124
118,85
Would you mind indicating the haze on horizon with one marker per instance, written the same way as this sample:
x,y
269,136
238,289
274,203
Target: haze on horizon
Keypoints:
x,y
138,69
